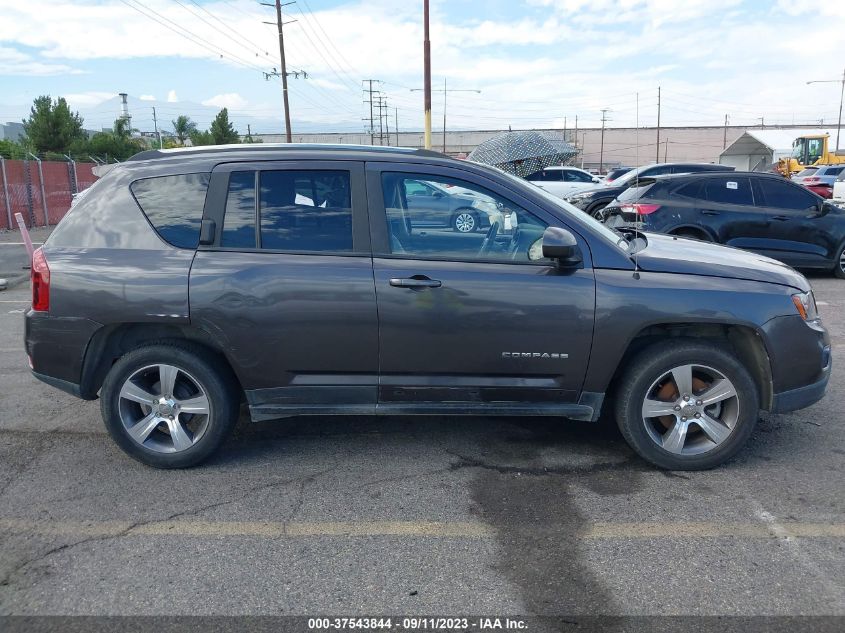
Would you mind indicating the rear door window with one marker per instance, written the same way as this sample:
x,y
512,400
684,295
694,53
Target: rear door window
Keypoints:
x,y
173,205
305,210
729,190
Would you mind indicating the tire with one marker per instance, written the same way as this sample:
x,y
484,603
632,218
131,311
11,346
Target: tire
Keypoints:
x,y
597,211
839,265
168,435
465,221
662,440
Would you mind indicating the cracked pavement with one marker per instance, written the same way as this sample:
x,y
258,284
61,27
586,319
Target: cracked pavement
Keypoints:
x,y
415,515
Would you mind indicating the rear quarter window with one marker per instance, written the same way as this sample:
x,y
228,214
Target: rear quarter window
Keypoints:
x,y
173,205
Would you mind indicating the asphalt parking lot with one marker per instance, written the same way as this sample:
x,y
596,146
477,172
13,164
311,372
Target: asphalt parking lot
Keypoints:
x,y
415,515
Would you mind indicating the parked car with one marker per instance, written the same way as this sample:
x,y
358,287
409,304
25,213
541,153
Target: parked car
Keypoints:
x,y
838,194
760,212
189,281
593,200
560,181
455,208
613,174
801,175
821,181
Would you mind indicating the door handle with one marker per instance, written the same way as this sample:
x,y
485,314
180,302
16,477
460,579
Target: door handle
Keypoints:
x,y
710,212
780,218
417,281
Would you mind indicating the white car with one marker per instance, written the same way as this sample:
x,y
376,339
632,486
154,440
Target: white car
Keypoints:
x,y
838,194
561,181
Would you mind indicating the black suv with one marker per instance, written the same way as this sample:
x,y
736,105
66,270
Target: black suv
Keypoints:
x,y
593,200
764,213
296,280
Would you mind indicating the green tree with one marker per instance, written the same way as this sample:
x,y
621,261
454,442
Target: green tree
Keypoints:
x,y
117,144
183,128
51,126
222,130
199,137
11,149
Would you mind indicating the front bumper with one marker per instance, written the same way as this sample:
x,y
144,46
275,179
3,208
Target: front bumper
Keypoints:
x,y
801,362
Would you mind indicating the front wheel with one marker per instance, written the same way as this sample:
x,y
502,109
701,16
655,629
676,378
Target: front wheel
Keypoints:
x,y
686,405
169,406
599,212
464,221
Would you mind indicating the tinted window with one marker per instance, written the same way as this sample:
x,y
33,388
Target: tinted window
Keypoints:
x,y
577,176
306,211
239,221
729,190
692,190
785,195
832,171
427,228
173,205
656,171
555,175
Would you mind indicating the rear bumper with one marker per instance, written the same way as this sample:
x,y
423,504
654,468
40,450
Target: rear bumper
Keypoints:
x,y
56,347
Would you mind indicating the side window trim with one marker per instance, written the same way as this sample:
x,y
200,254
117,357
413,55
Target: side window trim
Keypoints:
x,y
218,188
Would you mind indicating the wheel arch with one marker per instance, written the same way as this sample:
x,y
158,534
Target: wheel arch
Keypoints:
x,y
111,342
693,228
745,341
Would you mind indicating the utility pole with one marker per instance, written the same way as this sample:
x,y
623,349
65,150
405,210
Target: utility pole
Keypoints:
x,y
249,132
278,5
370,92
604,119
666,152
396,124
380,106
657,160
386,120
576,132
426,76
762,120
444,90
155,125
725,135
841,98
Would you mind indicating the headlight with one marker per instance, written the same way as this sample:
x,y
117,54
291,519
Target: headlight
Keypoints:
x,y
578,196
805,303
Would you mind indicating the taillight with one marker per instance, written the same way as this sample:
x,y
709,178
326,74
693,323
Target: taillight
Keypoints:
x,y
40,277
809,180
638,208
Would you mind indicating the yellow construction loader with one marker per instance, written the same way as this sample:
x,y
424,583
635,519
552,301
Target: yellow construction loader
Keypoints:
x,y
809,150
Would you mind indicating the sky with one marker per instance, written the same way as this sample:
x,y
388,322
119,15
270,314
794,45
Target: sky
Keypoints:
x,y
536,63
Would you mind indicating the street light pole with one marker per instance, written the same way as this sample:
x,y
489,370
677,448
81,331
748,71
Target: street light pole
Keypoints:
x,y
427,76
841,98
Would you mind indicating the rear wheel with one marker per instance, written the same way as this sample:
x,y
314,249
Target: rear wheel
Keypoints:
x,y
598,211
839,268
686,405
169,406
464,221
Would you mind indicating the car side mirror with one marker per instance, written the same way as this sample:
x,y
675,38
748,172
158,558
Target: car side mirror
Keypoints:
x,y
818,211
596,179
561,246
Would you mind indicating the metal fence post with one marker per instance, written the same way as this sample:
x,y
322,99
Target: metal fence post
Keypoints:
x,y
74,179
6,191
43,193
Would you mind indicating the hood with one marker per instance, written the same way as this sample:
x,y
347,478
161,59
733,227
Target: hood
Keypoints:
x,y
598,191
668,254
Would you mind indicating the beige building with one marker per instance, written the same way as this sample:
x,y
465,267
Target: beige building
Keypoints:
x,y
622,146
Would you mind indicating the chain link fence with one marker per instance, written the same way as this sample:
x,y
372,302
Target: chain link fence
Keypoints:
x,y
41,191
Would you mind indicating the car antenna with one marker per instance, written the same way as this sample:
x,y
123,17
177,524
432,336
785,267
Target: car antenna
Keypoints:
x,y
637,184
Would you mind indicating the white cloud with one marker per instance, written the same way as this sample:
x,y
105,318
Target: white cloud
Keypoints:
x,y
171,97
15,62
231,100
87,99
147,98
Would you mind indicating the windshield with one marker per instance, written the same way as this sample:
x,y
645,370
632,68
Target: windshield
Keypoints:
x,y
566,209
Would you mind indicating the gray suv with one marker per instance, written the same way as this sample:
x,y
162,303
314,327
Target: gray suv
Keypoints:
x,y
300,280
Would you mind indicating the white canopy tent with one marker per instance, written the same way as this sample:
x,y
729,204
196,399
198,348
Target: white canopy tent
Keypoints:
x,y
759,150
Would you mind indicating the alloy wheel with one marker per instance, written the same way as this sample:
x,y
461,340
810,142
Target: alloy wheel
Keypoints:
x,y
465,222
163,408
690,409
